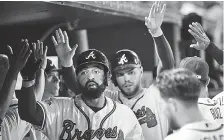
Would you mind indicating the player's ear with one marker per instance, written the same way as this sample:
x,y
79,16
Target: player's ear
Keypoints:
x,y
207,81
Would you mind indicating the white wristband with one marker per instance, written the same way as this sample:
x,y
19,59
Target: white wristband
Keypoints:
x,y
67,64
157,33
28,83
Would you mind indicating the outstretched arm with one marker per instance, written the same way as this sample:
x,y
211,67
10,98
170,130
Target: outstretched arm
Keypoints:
x,y
65,54
17,62
40,54
204,43
163,49
29,110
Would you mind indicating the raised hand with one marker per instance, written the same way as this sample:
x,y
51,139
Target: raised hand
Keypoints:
x,y
63,49
18,59
198,33
155,18
40,54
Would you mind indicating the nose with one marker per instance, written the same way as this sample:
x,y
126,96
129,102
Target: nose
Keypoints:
x,y
56,78
91,76
126,77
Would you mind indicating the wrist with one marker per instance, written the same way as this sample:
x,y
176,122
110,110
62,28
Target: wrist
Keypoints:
x,y
156,32
27,84
67,63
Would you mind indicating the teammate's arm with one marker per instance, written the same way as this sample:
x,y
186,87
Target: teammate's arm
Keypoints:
x,y
65,54
40,53
17,62
28,108
163,49
204,43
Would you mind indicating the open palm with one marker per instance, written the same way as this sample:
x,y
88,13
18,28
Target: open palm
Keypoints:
x,y
63,49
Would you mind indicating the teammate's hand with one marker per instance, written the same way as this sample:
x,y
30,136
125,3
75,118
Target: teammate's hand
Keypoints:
x,y
155,19
40,54
63,49
198,33
18,59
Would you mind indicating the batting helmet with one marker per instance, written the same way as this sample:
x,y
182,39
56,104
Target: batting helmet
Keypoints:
x,y
92,56
124,59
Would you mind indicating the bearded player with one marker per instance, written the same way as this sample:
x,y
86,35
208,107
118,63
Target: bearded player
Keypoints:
x,y
89,115
127,73
179,90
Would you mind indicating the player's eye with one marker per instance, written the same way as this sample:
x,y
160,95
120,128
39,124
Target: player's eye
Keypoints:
x,y
119,74
96,71
84,72
131,72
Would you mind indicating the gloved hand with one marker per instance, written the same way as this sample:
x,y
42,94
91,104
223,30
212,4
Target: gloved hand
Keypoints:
x,y
31,67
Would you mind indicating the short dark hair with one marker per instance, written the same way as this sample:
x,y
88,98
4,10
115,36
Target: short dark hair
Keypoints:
x,y
178,83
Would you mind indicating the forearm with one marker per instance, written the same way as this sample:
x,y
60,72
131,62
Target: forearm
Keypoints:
x,y
69,76
28,109
215,52
7,91
39,84
164,53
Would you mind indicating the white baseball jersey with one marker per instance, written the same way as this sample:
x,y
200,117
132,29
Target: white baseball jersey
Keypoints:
x,y
146,107
71,119
204,130
12,127
35,135
212,109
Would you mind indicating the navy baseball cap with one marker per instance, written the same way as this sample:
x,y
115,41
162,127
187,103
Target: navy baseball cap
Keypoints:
x,y
124,59
197,65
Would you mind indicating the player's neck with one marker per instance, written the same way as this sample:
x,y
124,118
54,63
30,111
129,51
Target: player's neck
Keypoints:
x,y
46,95
98,103
191,115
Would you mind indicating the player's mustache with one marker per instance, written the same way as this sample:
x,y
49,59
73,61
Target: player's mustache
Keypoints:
x,y
127,84
92,82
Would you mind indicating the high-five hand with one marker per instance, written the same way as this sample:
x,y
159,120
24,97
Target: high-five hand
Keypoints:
x,y
198,33
40,54
63,49
155,19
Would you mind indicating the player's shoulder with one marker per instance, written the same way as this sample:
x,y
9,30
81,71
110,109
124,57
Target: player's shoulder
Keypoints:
x,y
206,102
58,100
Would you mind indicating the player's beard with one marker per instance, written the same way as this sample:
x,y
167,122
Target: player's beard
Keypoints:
x,y
132,93
93,93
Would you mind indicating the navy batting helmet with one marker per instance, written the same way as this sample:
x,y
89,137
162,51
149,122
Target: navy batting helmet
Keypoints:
x,y
92,56
124,59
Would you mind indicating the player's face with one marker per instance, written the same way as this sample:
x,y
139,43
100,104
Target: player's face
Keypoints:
x,y
129,80
92,80
52,83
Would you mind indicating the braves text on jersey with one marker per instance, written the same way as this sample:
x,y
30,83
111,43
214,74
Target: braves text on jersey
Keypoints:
x,y
13,128
71,119
203,130
146,108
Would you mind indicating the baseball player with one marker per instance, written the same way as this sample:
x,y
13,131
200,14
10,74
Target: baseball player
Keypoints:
x,y
209,108
127,73
179,90
89,115
12,127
